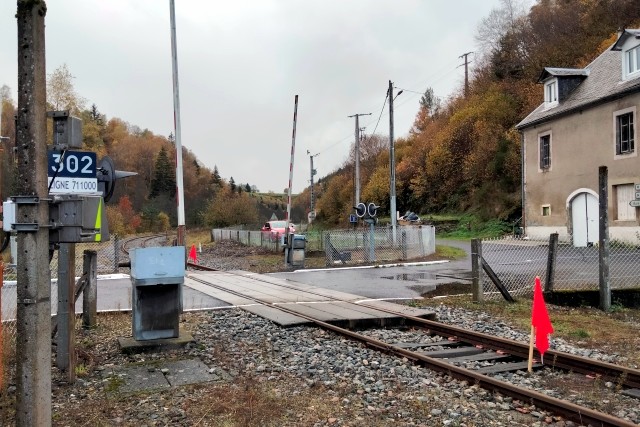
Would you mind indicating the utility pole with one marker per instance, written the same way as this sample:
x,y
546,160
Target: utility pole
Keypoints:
x,y
392,167
357,158
33,322
466,72
312,198
289,236
2,139
178,136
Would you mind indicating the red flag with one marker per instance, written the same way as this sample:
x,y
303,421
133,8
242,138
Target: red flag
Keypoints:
x,y
192,254
540,319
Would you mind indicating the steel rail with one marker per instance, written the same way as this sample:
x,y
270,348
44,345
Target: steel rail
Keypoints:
x,y
620,375
567,409
125,245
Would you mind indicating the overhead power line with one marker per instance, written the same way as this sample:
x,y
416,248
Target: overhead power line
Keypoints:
x,y
381,111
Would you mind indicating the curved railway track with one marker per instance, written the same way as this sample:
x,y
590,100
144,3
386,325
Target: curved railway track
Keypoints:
x,y
140,242
457,346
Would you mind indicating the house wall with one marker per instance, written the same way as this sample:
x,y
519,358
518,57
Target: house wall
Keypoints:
x,y
580,143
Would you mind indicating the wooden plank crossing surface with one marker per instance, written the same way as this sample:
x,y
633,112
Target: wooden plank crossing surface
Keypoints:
x,y
239,288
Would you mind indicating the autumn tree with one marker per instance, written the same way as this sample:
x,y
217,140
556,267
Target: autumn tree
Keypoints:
x,y
8,169
230,208
122,218
498,23
93,130
61,94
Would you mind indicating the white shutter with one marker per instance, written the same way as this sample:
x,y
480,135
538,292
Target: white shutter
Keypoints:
x,y
624,194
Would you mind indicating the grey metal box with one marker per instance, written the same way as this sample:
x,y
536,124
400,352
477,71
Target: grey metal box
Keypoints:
x,y
157,276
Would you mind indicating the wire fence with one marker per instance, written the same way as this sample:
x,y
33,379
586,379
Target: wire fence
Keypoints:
x,y
272,241
109,256
367,245
517,262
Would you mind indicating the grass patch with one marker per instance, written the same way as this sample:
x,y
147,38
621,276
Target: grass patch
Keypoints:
x,y
198,236
468,226
113,384
450,252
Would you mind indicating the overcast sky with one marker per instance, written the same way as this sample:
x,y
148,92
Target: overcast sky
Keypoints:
x,y
242,62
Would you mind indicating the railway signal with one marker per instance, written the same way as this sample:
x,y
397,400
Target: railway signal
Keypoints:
x,y
372,209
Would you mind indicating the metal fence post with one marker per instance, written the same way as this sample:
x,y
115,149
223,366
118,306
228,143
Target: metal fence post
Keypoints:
x,y
90,292
603,243
326,247
116,253
403,244
551,262
476,262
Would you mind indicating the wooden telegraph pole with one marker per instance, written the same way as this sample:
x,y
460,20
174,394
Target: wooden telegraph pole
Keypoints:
x,y
33,337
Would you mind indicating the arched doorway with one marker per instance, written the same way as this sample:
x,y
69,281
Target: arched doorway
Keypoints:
x,y
584,219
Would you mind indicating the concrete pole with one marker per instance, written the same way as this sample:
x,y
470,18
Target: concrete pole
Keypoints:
x,y
90,293
476,270
392,168
178,132
357,159
66,317
357,162
311,207
33,325
603,244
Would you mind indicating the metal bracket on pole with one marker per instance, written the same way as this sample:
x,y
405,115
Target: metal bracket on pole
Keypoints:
x,y
26,227
26,200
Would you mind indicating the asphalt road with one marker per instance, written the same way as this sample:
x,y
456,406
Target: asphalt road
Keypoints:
x,y
398,282
408,281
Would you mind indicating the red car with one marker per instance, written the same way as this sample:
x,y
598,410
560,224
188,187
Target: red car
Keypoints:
x,y
277,227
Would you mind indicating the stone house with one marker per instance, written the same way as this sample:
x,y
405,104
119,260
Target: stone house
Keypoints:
x,y
588,119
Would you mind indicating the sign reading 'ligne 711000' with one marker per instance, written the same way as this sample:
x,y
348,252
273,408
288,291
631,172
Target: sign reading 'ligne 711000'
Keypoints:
x,y
72,172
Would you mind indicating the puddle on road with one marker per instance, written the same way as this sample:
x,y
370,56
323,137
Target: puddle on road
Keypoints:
x,y
430,290
448,289
412,277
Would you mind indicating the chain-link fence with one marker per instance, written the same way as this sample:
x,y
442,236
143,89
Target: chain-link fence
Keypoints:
x,y
517,262
377,244
273,241
109,256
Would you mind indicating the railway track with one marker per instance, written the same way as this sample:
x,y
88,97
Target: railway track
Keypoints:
x,y
475,357
141,242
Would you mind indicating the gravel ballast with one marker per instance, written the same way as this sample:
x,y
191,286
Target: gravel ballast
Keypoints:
x,y
358,386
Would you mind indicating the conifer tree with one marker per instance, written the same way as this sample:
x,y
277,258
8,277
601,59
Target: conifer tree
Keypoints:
x,y
164,179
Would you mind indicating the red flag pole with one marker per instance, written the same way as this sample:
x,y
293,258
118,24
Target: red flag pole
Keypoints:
x,y
530,364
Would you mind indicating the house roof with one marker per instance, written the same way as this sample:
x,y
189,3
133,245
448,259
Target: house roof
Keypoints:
x,y
603,84
562,72
624,36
